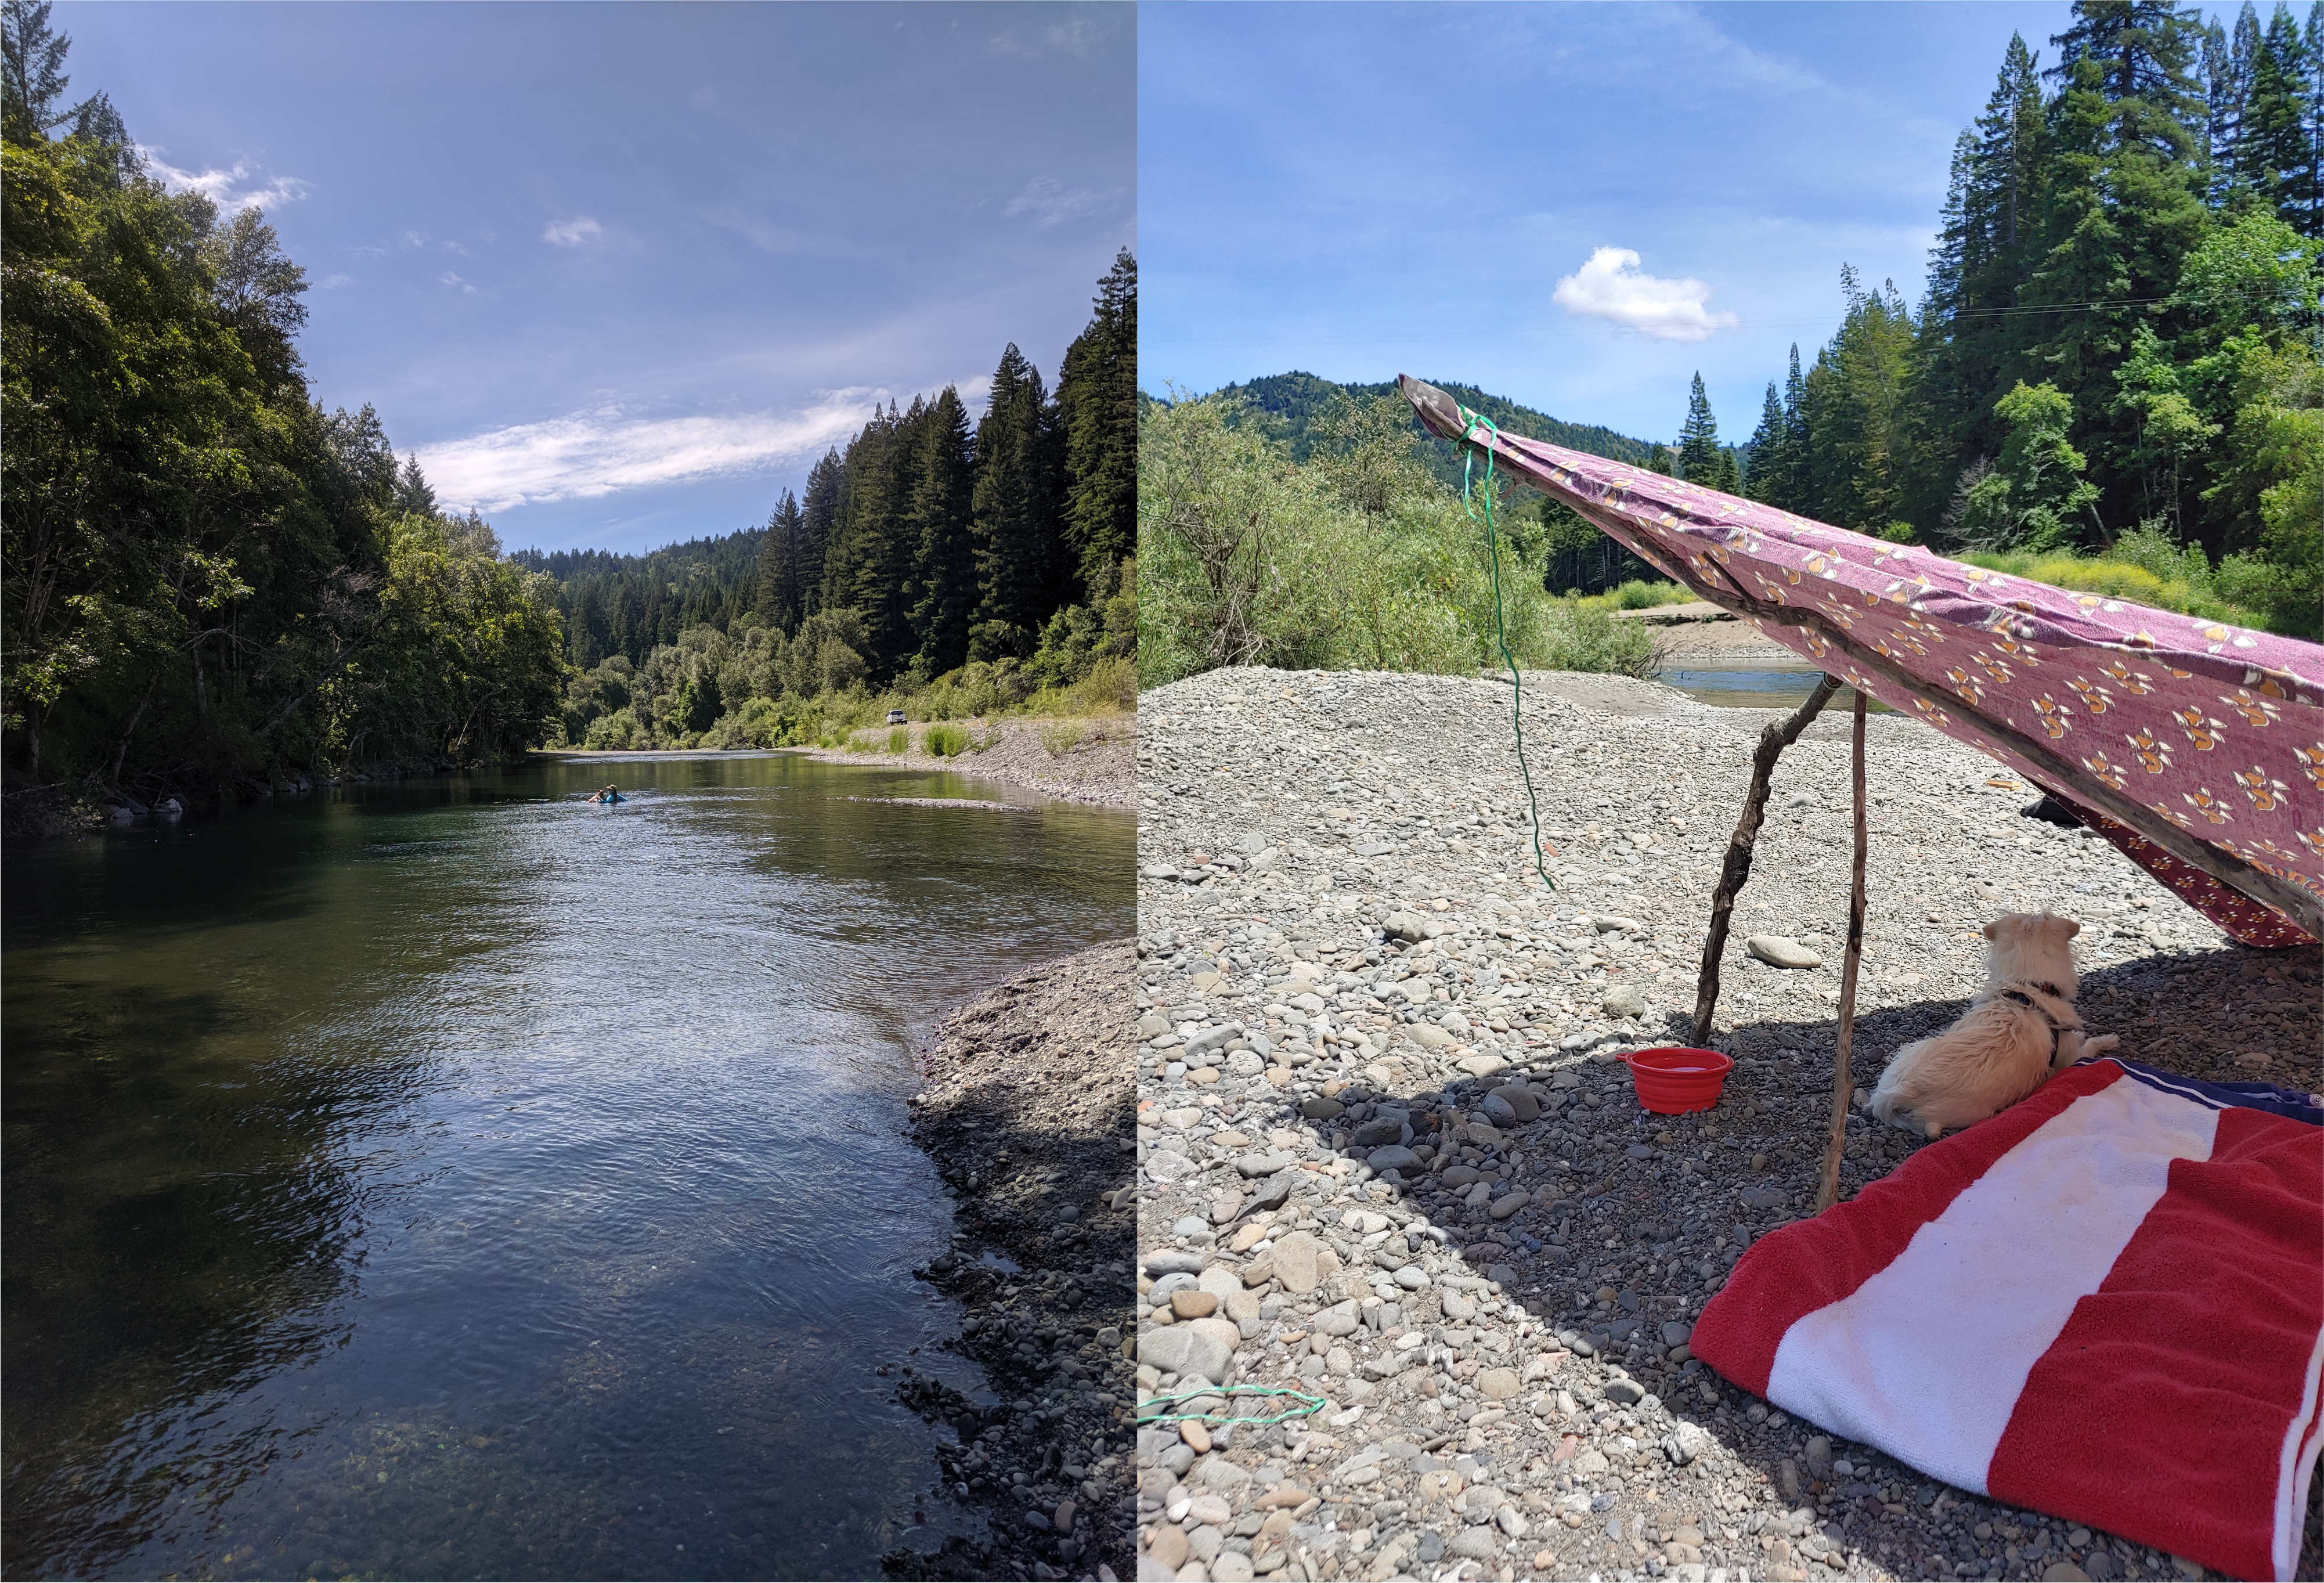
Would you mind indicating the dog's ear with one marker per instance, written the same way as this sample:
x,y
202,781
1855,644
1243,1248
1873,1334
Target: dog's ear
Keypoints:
x,y
1993,930
2068,928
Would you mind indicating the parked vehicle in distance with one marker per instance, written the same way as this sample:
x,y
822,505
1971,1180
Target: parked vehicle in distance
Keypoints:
x,y
895,717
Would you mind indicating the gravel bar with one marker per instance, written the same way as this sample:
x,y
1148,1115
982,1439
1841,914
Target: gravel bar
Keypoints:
x,y
1386,1152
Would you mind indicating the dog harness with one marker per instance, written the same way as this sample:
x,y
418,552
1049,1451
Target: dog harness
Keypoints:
x,y
2058,1030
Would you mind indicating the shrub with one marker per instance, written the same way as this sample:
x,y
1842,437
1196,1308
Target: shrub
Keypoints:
x,y
899,739
1060,737
945,740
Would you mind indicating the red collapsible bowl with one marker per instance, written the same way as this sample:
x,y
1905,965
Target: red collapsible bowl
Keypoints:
x,y
1674,1080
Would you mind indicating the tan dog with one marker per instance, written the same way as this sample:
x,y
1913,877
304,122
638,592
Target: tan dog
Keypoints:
x,y
2017,1035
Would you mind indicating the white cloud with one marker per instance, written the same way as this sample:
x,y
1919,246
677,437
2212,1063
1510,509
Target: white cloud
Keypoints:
x,y
573,232
449,279
602,452
1050,200
327,281
237,189
1611,286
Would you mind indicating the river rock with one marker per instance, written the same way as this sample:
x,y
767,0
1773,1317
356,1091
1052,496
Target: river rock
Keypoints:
x,y
1199,1347
1519,1100
1297,1262
1396,1158
1623,1000
1409,927
1782,951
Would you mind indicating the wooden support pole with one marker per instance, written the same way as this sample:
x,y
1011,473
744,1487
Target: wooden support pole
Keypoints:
x,y
1829,1193
1776,737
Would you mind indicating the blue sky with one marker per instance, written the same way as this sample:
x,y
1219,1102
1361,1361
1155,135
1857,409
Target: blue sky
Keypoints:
x,y
1451,192
618,273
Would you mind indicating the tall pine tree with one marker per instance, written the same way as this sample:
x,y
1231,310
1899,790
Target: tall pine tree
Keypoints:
x,y
938,522
782,579
1014,513
1698,437
1097,409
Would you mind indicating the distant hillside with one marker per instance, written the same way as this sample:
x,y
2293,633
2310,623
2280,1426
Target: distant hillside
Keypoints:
x,y
1292,402
616,604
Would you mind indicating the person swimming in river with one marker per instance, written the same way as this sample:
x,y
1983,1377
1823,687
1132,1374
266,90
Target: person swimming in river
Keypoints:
x,y
610,794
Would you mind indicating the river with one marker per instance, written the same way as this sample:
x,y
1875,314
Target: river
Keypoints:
x,y
450,1178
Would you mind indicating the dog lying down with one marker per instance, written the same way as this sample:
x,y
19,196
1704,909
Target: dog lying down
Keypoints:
x,y
2019,1031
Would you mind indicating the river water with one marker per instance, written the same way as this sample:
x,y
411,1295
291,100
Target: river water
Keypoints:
x,y
450,1178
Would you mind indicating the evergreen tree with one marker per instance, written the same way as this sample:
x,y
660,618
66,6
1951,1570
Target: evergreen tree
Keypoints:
x,y
938,522
781,583
1798,484
1097,408
413,497
2274,153
2228,68
1770,465
1698,437
1014,521
818,511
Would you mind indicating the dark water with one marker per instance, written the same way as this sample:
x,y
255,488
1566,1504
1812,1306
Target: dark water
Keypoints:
x,y
451,1179
1759,684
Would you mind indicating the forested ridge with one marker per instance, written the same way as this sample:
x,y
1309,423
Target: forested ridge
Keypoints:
x,y
928,559
209,581
2119,355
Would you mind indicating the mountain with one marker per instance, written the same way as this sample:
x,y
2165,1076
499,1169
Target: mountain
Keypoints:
x,y
1291,402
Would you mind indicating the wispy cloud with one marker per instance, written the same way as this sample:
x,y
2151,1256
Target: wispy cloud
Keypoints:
x,y
605,451
1610,286
449,279
1050,200
327,281
240,187
573,232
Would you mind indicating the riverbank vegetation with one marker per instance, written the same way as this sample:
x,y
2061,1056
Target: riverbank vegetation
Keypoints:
x,y
929,568
209,579
2116,378
1357,557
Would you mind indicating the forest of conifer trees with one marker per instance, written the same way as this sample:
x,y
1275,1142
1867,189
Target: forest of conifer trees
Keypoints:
x,y
2120,349
922,550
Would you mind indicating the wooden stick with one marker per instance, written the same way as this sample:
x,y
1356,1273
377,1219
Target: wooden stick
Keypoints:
x,y
1829,1193
1776,737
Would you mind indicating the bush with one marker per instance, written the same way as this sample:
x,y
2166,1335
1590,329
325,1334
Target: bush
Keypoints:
x,y
899,739
1060,737
946,741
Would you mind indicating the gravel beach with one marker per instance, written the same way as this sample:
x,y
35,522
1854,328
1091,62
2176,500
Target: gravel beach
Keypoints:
x,y
1098,767
1025,1113
1347,968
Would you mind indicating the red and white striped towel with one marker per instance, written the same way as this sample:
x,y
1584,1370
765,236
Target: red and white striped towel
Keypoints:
x,y
2106,1303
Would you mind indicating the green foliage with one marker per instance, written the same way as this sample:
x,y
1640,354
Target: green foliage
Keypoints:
x,y
1358,557
948,546
2122,323
899,739
203,576
945,741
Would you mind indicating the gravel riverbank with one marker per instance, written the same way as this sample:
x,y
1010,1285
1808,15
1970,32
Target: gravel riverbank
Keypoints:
x,y
1091,761
1024,1111
1342,951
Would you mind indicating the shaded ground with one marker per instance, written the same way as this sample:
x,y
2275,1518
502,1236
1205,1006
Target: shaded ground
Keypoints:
x,y
1026,1112
1502,1335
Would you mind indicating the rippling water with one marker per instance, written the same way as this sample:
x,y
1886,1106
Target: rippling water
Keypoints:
x,y
453,1178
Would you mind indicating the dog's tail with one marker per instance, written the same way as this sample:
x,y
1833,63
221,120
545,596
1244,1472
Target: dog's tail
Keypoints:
x,y
1892,1098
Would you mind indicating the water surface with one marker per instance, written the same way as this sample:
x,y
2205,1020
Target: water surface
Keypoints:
x,y
452,1179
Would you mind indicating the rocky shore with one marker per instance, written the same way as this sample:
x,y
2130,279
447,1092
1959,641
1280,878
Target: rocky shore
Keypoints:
x,y
1025,1112
1091,761
1347,970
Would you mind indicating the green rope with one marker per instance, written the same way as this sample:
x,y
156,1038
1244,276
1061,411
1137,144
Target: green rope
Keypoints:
x,y
1501,637
1313,1404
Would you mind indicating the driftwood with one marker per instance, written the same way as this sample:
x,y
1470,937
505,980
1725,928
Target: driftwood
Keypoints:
x,y
1828,1194
1778,735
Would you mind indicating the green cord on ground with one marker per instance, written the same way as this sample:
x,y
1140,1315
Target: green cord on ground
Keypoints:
x,y
1501,637
1313,1404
